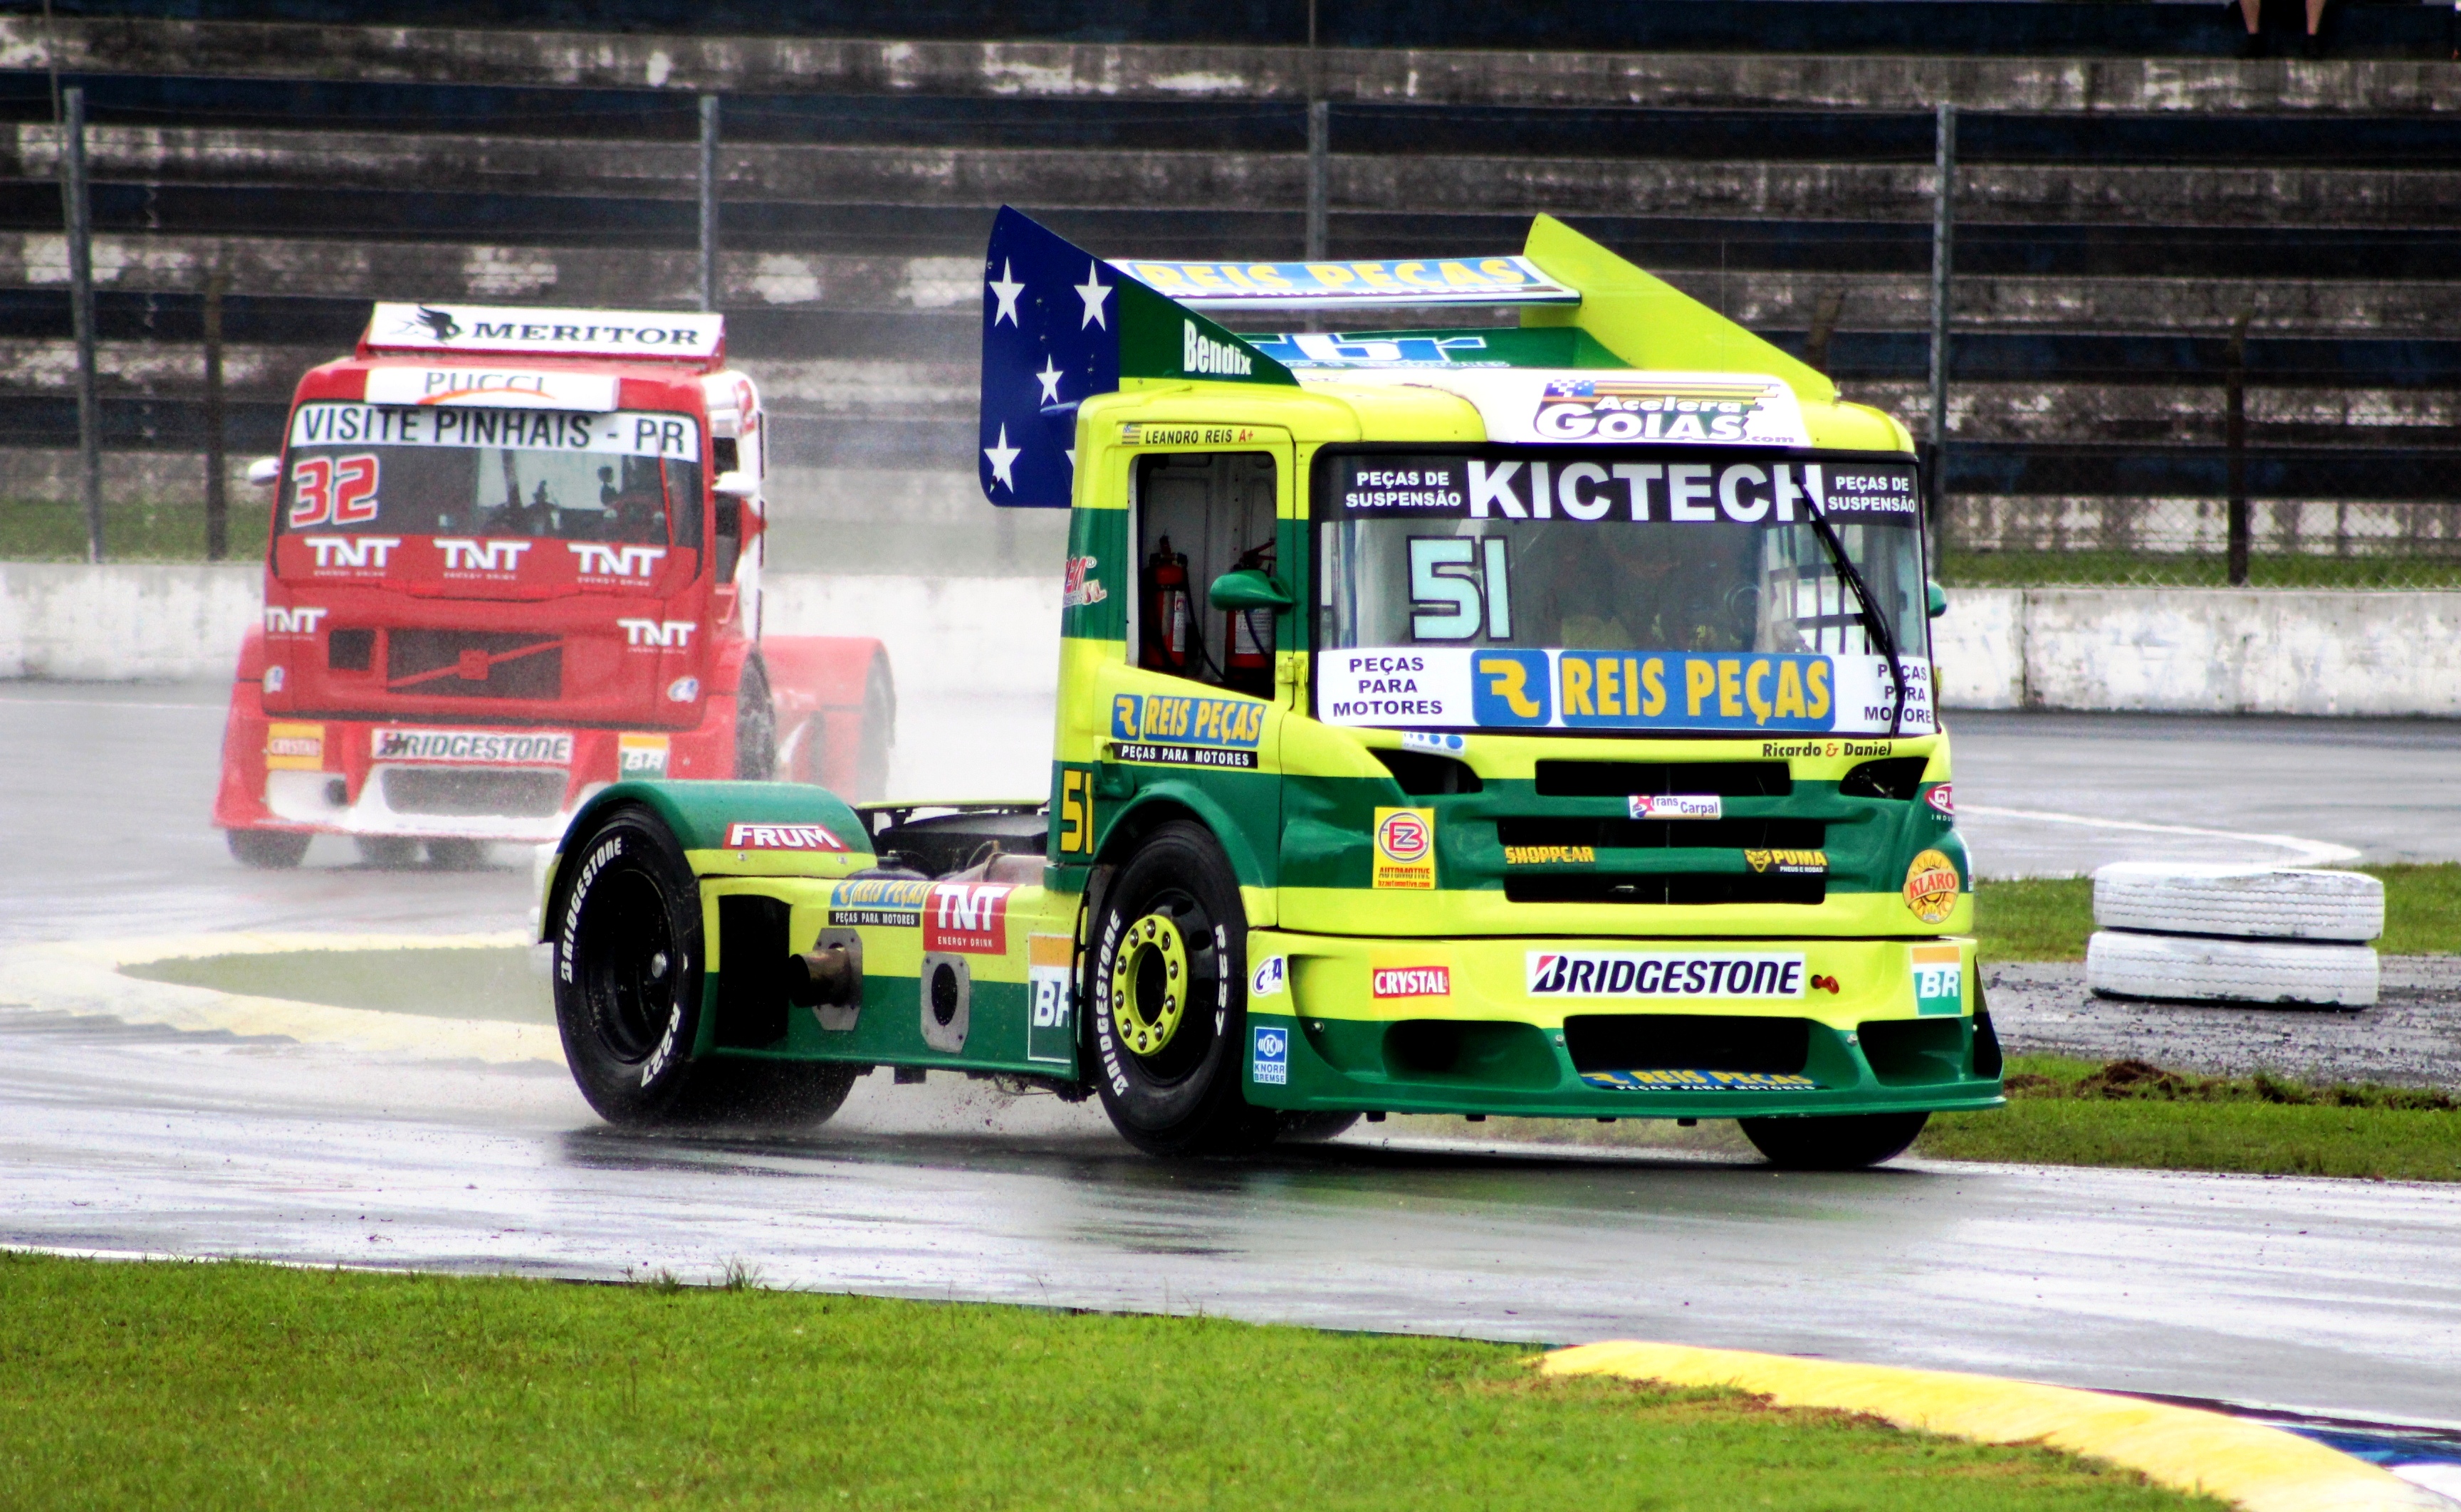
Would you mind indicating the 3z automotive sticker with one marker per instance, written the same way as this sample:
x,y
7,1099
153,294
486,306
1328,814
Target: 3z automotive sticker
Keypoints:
x,y
1656,973
969,918
1405,847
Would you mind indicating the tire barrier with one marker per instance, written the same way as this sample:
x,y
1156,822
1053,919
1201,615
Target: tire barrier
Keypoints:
x,y
2238,902
2235,934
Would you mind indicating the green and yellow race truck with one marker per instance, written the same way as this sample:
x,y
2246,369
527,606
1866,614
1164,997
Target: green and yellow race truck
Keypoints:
x,y
1531,720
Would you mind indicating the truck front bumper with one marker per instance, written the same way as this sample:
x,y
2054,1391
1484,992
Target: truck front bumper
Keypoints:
x,y
1616,1027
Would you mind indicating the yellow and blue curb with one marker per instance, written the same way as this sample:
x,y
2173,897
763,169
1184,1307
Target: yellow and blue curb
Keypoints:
x,y
2249,1465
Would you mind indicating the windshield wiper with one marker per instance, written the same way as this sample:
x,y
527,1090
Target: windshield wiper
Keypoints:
x,y
1875,625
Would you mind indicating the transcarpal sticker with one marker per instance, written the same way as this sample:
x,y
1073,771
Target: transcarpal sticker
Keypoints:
x,y
1677,806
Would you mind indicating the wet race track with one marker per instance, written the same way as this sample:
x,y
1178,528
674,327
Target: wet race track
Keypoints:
x,y
134,1138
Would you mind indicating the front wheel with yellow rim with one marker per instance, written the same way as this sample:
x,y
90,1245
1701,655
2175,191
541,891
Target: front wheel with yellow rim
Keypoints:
x,y
1169,996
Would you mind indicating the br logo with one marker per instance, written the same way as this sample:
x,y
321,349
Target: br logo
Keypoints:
x,y
1509,688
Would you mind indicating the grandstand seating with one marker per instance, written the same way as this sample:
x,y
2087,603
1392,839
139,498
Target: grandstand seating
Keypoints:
x,y
2129,196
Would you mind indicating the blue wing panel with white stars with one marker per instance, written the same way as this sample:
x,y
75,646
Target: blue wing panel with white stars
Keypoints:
x,y
1051,338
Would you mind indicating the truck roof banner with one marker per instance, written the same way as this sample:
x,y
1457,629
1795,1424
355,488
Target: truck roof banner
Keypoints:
x,y
1397,283
681,336
1059,325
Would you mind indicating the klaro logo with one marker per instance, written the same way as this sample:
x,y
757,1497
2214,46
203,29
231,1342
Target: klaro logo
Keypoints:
x,y
353,551
657,634
596,560
299,621
462,555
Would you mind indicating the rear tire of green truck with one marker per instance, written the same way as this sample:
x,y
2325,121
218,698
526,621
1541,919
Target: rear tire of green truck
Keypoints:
x,y
627,995
1840,1142
1170,994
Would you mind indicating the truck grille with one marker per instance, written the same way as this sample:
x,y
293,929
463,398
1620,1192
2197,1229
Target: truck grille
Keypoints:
x,y
1665,887
473,664
1687,1042
431,790
1664,778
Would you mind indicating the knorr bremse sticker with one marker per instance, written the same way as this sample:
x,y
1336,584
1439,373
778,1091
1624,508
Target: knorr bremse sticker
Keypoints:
x,y
1931,887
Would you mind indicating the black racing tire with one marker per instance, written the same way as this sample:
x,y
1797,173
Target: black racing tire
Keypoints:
x,y
878,734
386,852
1838,1142
1168,1040
268,849
456,853
756,726
627,995
1314,1128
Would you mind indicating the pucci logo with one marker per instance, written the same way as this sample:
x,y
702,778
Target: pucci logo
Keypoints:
x,y
1199,352
782,837
461,555
300,621
615,561
353,551
664,633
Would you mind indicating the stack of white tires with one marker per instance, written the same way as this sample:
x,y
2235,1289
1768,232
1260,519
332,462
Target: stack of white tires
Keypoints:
x,y
2235,934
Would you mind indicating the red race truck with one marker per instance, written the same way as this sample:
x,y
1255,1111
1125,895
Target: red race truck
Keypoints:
x,y
516,557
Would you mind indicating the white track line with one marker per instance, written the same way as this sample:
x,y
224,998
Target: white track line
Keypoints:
x,y
2305,852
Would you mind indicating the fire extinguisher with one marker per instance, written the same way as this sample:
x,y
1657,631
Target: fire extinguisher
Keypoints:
x,y
1168,617
1248,635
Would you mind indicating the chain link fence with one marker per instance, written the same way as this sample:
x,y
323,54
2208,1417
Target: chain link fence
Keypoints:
x,y
2200,518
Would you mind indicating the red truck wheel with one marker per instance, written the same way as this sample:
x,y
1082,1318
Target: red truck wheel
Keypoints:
x,y
268,849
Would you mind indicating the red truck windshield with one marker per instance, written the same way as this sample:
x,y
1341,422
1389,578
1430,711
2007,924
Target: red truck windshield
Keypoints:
x,y
614,477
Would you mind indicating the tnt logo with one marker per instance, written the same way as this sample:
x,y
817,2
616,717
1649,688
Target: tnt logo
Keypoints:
x,y
481,556
598,560
668,634
968,917
301,621
353,551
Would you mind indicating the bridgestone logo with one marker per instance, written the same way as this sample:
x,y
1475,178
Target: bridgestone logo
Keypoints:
x,y
1199,352
476,747
1634,973
589,870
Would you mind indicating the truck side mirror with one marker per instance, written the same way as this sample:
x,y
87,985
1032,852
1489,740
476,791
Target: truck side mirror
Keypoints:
x,y
1247,588
736,484
1935,599
264,471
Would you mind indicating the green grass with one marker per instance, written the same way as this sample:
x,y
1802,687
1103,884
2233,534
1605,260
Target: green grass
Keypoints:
x,y
196,1385
132,530
2063,1112
2176,569
2048,918
489,982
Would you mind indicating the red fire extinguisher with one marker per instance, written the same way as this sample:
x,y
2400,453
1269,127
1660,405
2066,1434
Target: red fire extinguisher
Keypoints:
x,y
1169,618
1248,635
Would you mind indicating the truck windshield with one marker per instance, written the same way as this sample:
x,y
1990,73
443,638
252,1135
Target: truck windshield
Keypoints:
x,y
1671,589
407,471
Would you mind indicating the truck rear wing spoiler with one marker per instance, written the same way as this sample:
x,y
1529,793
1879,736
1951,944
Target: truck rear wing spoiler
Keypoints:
x,y
1061,325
